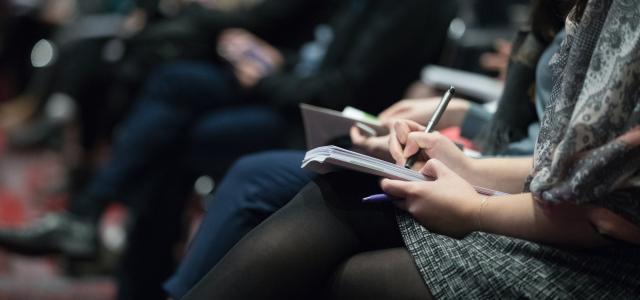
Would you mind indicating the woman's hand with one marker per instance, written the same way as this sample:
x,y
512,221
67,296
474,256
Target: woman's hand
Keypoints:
x,y
251,57
377,146
408,137
611,224
420,110
447,205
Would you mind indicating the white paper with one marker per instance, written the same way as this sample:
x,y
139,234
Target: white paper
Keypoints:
x,y
329,158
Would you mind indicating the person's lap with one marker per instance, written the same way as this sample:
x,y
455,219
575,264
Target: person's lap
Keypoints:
x,y
222,136
380,274
254,188
176,96
158,202
325,228
178,141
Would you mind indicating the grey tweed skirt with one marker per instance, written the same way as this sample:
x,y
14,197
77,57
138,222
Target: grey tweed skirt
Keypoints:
x,y
487,266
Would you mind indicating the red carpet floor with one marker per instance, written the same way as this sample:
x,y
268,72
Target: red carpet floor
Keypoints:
x,y
29,187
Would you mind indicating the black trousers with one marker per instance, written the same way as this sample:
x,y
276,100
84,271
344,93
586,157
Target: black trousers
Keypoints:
x,y
325,243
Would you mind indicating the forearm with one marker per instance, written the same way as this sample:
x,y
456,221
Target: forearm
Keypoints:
x,y
502,174
519,216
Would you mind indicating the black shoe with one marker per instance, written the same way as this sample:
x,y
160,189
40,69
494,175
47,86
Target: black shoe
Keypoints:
x,y
57,233
42,133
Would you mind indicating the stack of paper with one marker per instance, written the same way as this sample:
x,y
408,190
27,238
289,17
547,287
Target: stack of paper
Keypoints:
x,y
329,158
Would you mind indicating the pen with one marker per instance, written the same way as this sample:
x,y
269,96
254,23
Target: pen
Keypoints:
x,y
442,106
377,198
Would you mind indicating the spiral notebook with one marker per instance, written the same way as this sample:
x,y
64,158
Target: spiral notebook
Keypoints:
x,y
326,159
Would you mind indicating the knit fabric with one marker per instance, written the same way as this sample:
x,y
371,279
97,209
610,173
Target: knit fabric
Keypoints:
x,y
488,266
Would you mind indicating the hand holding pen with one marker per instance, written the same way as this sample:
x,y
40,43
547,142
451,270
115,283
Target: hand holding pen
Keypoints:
x,y
401,145
435,118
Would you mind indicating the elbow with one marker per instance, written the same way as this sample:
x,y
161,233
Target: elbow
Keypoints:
x,y
569,226
610,224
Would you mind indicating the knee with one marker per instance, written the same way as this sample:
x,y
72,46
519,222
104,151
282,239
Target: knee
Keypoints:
x,y
259,184
242,184
182,82
250,168
246,167
381,274
158,87
349,279
162,76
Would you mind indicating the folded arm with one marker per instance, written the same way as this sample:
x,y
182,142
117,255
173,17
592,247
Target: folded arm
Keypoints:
x,y
451,206
501,174
520,216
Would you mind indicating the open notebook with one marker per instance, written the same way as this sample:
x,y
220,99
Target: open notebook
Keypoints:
x,y
329,158
322,125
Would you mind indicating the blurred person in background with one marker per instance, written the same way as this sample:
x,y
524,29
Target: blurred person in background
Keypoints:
x,y
89,69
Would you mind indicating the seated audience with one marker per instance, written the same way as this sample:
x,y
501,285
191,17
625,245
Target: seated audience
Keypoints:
x,y
575,226
194,116
258,185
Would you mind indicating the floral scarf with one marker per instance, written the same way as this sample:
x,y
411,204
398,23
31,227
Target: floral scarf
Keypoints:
x,y
588,150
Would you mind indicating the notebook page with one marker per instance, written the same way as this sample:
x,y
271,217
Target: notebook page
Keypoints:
x,y
327,158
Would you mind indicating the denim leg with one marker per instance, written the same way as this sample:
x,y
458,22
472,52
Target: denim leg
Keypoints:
x,y
216,140
223,136
175,96
254,188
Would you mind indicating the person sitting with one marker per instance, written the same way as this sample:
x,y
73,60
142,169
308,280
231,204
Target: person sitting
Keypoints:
x,y
194,116
573,232
257,185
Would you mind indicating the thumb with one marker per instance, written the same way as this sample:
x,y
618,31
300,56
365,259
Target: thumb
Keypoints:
x,y
396,188
435,168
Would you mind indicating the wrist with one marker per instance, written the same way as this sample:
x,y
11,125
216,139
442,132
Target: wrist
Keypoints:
x,y
478,217
468,168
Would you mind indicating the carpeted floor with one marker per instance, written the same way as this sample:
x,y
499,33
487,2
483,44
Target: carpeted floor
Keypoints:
x,y
30,185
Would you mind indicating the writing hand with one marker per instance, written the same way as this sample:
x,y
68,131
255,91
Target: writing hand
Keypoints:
x,y
447,205
408,137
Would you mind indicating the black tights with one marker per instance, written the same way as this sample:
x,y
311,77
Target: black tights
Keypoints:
x,y
324,244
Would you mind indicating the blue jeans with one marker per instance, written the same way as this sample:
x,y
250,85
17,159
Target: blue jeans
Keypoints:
x,y
254,188
190,120
186,109
159,200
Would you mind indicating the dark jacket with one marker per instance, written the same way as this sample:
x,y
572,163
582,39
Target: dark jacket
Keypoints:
x,y
376,53
286,24
377,50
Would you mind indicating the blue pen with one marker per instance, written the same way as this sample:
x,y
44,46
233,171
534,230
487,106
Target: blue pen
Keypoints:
x,y
377,198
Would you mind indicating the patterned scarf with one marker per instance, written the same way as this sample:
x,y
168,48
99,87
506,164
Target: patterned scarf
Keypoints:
x,y
588,150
